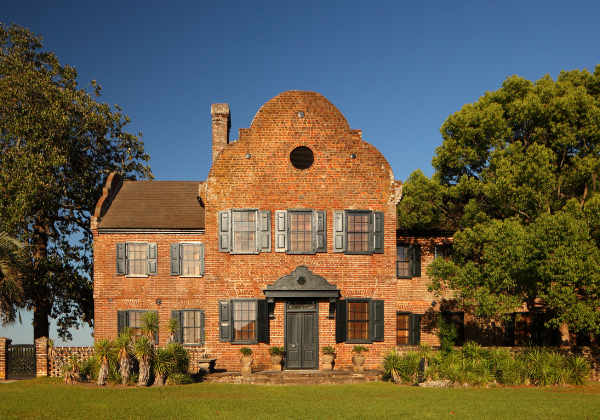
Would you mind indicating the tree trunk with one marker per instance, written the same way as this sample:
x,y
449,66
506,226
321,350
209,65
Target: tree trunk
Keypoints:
x,y
103,373
41,325
565,338
124,369
43,301
144,373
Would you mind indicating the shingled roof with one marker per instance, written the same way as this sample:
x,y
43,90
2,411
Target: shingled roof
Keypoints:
x,y
155,205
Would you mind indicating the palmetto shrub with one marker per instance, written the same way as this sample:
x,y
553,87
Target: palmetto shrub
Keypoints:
x,y
164,365
123,345
402,367
144,352
105,353
89,368
181,356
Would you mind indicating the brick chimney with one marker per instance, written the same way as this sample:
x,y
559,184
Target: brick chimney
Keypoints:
x,y
221,123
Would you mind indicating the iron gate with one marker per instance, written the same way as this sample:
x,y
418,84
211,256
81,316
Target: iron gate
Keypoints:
x,y
20,360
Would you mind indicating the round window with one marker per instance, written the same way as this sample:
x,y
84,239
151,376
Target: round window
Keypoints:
x,y
302,157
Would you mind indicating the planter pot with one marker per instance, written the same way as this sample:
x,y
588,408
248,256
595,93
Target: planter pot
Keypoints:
x,y
328,361
276,361
246,363
358,360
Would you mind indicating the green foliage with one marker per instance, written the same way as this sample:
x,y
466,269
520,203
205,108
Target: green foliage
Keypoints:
x,y
276,351
173,325
90,368
359,349
447,335
150,324
164,362
328,350
179,379
58,144
517,179
181,356
402,367
143,348
246,351
12,261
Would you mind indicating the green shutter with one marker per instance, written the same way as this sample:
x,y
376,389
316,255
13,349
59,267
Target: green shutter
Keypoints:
x,y
202,259
202,334
121,258
320,230
152,259
178,316
122,321
157,332
339,231
414,333
281,231
224,227
263,231
262,321
376,324
378,232
340,321
225,322
175,260
416,261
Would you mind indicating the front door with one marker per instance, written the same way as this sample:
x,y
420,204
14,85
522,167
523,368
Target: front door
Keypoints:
x,y
301,332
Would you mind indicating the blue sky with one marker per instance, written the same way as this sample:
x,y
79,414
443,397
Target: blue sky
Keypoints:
x,y
395,69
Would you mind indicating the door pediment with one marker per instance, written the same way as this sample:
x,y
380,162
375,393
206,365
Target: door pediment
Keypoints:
x,y
301,283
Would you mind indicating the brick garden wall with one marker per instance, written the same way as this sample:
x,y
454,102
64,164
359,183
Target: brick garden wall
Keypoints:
x,y
4,343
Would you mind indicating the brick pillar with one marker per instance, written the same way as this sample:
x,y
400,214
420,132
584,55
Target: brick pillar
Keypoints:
x,y
4,343
41,356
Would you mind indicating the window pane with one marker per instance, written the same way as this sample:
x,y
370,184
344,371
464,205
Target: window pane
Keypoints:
x,y
244,231
244,320
137,258
402,326
191,263
358,232
301,231
358,320
135,322
192,327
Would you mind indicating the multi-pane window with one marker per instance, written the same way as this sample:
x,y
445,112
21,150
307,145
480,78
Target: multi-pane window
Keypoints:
x,y
137,259
191,259
441,251
358,321
403,268
408,329
135,322
301,231
244,320
192,327
358,232
244,230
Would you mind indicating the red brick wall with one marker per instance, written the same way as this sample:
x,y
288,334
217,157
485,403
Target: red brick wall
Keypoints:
x,y
4,343
268,181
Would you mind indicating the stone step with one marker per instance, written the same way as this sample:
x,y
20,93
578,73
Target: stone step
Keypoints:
x,y
295,377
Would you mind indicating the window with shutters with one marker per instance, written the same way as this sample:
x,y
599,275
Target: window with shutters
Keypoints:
x,y
132,320
301,232
244,321
244,230
408,261
136,259
358,232
192,259
442,251
358,322
408,329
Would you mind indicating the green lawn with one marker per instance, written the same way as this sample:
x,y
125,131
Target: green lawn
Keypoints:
x,y
48,398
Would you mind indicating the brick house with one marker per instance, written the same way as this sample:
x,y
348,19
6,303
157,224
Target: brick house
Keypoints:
x,y
290,241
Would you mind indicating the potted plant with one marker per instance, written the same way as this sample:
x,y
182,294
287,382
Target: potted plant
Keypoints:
x,y
276,357
358,360
328,357
246,361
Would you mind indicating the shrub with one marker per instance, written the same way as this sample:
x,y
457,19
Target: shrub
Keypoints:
x,y
181,356
402,367
276,351
89,368
179,379
579,369
164,365
447,335
246,351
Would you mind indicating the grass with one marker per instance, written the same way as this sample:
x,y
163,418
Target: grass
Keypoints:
x,y
48,398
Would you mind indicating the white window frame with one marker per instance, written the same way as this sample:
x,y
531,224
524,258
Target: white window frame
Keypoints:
x,y
181,244
250,252
127,243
